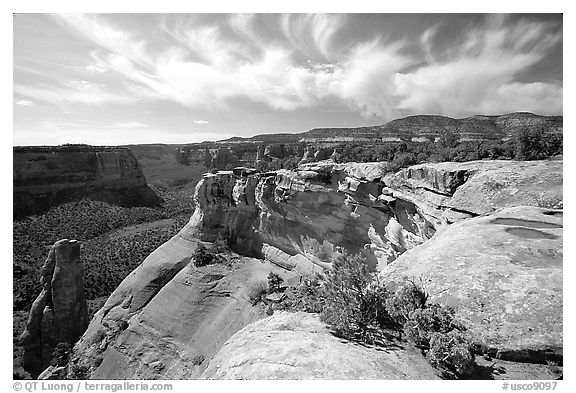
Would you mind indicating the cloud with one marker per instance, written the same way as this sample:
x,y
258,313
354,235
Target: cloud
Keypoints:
x,y
24,102
480,74
200,122
131,124
95,69
72,92
205,65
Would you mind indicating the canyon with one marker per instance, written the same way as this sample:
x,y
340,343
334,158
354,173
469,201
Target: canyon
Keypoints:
x,y
170,319
45,176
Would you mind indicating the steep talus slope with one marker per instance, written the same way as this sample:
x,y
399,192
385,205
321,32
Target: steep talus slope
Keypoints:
x,y
503,274
299,346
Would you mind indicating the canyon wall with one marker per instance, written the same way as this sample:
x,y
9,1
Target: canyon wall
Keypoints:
x,y
46,176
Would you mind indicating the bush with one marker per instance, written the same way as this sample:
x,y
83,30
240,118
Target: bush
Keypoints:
x,y
408,298
354,305
79,371
60,354
202,256
305,297
274,282
198,359
537,144
451,352
423,322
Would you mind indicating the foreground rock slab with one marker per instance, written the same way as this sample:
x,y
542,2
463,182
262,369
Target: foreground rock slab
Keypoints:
x,y
59,314
299,346
503,274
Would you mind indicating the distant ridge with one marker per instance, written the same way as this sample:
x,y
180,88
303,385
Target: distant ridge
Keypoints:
x,y
418,127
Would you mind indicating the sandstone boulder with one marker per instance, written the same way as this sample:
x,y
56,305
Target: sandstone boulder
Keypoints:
x,y
59,313
299,346
502,273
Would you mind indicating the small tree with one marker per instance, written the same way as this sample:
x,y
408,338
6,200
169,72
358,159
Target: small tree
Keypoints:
x,y
60,354
408,298
354,302
451,352
274,282
423,322
202,256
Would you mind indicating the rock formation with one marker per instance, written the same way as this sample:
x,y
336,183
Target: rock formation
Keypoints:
x,y
299,346
47,176
502,273
168,318
59,314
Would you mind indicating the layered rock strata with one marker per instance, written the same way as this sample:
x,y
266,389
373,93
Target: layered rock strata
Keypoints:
x,y
47,176
59,314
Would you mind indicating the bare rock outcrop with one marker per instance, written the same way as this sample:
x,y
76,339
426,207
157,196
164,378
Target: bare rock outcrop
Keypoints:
x,y
59,313
309,212
503,274
299,346
451,191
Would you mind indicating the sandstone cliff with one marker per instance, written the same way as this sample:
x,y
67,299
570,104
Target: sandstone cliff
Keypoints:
x,y
59,313
168,318
47,176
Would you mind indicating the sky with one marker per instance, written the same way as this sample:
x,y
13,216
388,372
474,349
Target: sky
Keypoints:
x,y
116,79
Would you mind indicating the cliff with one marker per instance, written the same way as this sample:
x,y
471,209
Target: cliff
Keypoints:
x,y
169,318
47,176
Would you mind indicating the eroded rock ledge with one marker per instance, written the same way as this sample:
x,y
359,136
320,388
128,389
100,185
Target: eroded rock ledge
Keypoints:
x,y
307,215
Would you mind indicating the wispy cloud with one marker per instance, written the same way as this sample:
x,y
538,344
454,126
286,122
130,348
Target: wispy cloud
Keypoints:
x,y
204,66
200,122
24,102
480,74
131,124
73,92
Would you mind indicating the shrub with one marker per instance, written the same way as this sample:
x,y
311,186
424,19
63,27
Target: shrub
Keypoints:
x,y
354,306
198,359
408,298
305,297
221,245
423,322
60,354
79,371
202,256
451,352
274,282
